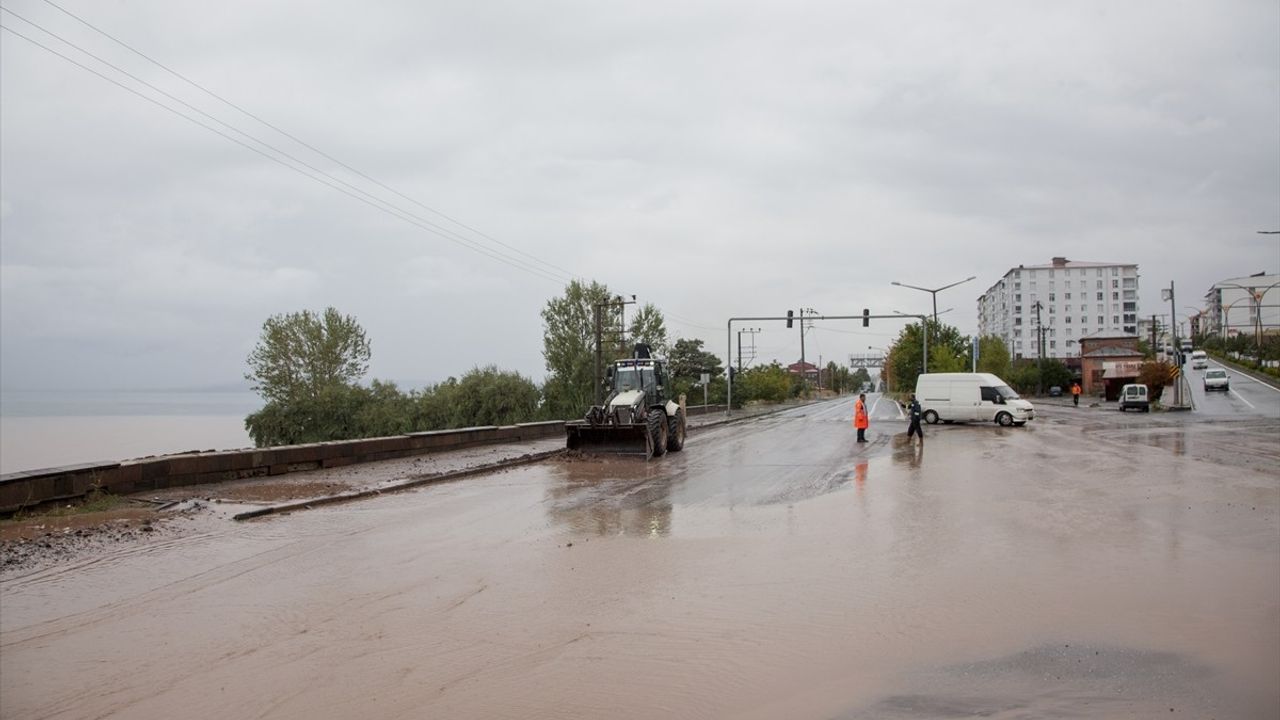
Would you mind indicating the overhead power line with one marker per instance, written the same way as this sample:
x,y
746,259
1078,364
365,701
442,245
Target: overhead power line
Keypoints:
x,y
301,142
543,269
374,203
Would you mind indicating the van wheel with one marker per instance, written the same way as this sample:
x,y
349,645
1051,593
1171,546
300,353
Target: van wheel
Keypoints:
x,y
931,417
1005,419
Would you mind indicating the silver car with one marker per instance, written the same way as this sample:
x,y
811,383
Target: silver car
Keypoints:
x,y
1216,379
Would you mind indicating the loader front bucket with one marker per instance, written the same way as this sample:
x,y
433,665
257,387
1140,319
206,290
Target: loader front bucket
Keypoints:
x,y
609,439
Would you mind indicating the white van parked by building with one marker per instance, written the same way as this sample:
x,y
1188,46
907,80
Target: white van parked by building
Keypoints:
x,y
970,397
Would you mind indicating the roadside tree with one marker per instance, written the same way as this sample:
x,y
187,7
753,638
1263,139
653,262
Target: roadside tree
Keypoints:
x,y
993,356
300,356
648,326
568,347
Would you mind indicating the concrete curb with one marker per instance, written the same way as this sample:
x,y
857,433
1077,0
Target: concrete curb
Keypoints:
x,y
412,482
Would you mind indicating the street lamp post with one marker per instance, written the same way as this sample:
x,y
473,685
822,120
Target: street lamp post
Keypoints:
x,y
1255,295
934,291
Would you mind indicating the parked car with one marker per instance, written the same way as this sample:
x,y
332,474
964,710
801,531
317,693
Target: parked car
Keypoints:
x,y
1134,395
962,397
1199,360
1055,391
1216,379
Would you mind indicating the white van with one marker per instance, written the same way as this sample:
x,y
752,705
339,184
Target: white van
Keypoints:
x,y
1199,360
968,397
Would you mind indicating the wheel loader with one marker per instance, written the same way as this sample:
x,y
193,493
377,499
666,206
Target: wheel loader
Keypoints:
x,y
637,417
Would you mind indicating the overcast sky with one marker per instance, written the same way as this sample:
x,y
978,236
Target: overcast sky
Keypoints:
x,y
716,159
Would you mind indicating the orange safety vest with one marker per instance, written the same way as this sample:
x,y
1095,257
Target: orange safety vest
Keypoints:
x,y
1075,389
860,415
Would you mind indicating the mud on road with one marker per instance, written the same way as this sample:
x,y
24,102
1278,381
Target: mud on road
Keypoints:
x,y
1088,565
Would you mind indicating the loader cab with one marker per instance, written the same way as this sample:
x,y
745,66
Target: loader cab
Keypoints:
x,y
647,375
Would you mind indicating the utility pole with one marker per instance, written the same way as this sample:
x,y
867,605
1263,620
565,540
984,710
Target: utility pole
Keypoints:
x,y
1039,350
752,332
1177,348
620,304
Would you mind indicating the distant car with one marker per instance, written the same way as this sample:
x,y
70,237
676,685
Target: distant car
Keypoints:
x,y
1134,396
1216,379
1055,391
1199,360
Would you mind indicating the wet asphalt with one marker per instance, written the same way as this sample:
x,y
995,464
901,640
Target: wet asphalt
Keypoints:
x,y
1091,564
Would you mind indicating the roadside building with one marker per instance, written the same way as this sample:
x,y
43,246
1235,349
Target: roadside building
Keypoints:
x,y
808,370
1245,305
1060,302
1107,362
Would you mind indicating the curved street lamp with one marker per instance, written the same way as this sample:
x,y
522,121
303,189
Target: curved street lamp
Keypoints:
x,y
1255,294
934,291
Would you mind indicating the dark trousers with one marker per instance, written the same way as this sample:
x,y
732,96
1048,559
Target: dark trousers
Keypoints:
x,y
914,429
1076,400
862,434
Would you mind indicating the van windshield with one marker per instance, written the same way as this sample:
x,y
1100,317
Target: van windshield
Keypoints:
x,y
1007,392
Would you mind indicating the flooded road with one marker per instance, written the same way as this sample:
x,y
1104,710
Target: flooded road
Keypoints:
x,y
1089,565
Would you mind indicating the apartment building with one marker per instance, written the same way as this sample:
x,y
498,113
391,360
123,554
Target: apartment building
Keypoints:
x,y
1065,300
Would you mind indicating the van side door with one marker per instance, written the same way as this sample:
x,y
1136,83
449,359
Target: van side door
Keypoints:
x,y
991,401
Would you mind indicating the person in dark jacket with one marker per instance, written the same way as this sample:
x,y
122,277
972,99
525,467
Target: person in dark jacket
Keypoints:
x,y
913,412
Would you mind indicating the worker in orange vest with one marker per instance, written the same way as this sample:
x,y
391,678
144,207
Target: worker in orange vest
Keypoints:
x,y
1075,394
860,419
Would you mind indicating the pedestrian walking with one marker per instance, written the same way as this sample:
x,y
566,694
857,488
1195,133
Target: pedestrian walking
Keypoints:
x,y
913,412
860,419
1075,394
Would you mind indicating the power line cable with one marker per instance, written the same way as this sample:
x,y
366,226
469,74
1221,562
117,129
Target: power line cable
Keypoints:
x,y
301,142
384,207
437,229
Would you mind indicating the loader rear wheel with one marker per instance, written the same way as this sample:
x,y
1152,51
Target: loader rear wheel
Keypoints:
x,y
657,421
675,431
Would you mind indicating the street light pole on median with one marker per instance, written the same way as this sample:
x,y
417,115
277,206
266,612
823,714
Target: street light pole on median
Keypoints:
x,y
934,291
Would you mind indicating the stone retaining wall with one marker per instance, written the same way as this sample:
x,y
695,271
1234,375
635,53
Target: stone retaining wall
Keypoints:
x,y
33,487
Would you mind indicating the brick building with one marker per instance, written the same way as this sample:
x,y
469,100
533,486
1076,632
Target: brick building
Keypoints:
x,y
1107,362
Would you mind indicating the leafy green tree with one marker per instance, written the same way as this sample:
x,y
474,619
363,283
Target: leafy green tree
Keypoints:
x,y
301,356
947,350
767,383
1055,372
993,356
687,359
649,326
568,347
489,396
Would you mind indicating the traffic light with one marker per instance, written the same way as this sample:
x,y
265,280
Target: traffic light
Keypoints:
x,y
866,317
790,314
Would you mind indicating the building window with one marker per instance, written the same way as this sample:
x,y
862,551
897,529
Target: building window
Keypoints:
x,y
1115,319
1051,272
1017,321
1053,309
1131,307
1053,344
1099,272
1099,282
1084,319
1017,309
1068,296
1101,321
1067,319
1052,297
1115,271
1114,296
1115,284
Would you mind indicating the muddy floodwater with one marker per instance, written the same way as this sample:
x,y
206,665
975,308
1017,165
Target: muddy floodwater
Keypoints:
x,y
1090,565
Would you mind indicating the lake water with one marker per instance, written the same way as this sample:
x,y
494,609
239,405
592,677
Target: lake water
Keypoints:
x,y
40,429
